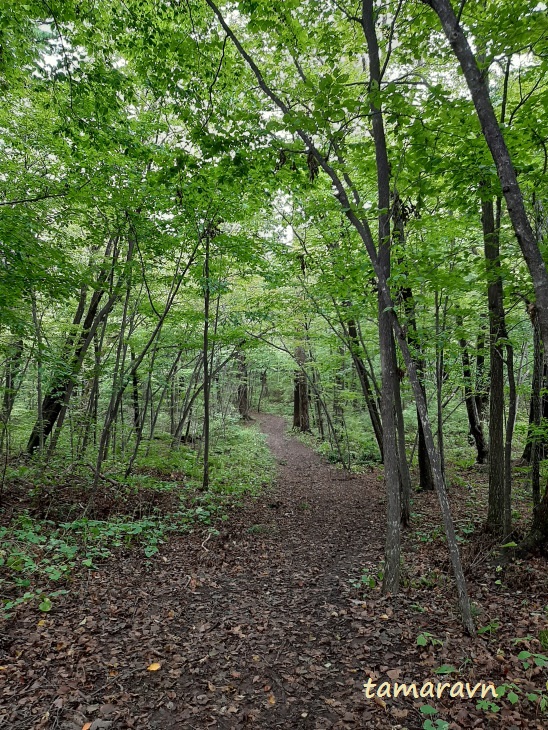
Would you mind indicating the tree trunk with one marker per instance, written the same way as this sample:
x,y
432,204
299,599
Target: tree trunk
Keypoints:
x,y
205,356
301,419
135,395
315,381
501,156
264,390
538,408
481,391
392,466
426,483
498,517
370,400
440,377
338,386
474,423
11,372
243,387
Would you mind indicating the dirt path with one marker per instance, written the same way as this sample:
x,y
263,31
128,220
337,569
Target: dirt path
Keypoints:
x,y
251,628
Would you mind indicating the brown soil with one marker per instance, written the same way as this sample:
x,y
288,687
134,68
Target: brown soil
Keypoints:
x,y
261,626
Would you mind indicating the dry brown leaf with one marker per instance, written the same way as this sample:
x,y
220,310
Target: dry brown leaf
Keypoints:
x,y
380,702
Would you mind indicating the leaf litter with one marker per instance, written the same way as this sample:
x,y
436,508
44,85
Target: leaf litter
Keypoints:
x,y
276,628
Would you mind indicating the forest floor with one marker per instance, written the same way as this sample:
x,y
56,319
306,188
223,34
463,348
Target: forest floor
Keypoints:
x,y
278,621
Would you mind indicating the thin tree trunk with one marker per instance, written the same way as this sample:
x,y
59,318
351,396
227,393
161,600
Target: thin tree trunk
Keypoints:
x,y
371,403
474,423
317,402
538,408
392,465
301,419
207,380
135,395
426,483
11,373
481,390
440,376
243,386
40,435
506,173
510,423
498,517
264,389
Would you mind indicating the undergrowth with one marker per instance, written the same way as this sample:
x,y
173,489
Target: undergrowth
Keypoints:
x,y
53,531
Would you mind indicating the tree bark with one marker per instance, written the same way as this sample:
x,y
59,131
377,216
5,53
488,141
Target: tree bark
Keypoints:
x,y
426,483
135,395
538,406
481,391
301,418
392,458
243,387
474,423
370,400
498,516
479,91
205,357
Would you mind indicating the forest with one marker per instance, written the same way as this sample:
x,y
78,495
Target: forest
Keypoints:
x,y
273,363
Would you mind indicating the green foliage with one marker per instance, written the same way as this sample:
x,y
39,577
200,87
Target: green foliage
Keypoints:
x,y
435,724
36,553
528,659
491,628
369,580
425,638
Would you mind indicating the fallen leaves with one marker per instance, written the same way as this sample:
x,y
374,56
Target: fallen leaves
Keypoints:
x,y
268,632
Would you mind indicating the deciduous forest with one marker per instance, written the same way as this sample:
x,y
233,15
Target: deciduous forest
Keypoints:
x,y
273,364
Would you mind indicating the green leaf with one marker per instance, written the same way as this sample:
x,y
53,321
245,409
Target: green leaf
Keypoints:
x,y
445,669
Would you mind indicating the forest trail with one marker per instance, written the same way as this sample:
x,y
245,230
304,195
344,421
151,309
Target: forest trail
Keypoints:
x,y
252,628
